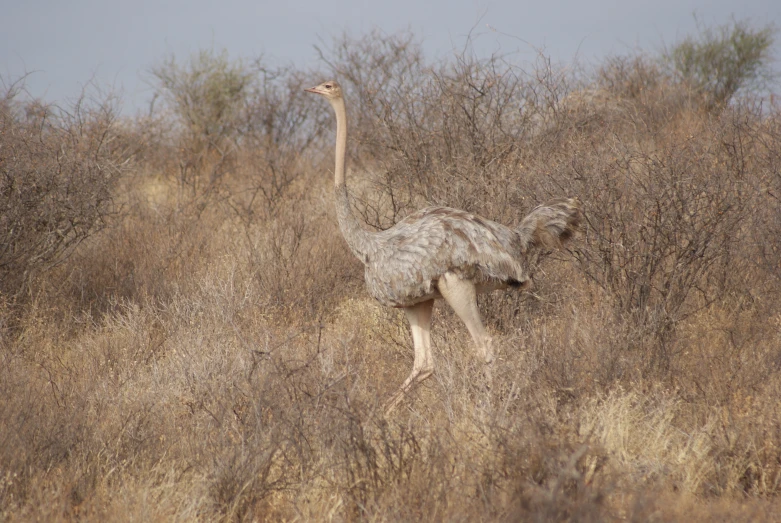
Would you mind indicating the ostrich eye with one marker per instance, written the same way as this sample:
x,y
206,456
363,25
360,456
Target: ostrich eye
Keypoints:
x,y
327,86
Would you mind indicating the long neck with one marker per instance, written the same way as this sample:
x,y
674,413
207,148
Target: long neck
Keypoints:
x,y
341,140
357,239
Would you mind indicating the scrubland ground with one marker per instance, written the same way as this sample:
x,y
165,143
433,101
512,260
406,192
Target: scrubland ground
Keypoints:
x,y
209,351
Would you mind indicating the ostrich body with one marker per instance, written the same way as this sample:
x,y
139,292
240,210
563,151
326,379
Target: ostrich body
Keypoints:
x,y
442,253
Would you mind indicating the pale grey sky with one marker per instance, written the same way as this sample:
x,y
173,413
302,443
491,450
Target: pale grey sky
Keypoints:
x,y
65,43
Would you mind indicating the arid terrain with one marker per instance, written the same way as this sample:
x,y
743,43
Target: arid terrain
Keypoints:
x,y
185,336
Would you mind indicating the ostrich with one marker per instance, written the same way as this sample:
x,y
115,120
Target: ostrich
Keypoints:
x,y
442,253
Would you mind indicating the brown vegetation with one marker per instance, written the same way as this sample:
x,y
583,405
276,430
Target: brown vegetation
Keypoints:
x,y
199,345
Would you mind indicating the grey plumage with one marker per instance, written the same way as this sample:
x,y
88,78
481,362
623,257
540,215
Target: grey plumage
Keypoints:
x,y
403,263
408,259
439,252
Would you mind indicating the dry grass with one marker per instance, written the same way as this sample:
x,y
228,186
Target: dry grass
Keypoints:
x,y
211,356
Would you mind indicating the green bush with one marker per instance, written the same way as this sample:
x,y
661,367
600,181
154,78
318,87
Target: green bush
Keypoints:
x,y
724,60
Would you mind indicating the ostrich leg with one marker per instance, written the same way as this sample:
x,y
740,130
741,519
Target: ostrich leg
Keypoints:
x,y
419,317
461,295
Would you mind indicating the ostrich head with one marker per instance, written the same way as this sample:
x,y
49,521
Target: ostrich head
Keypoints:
x,y
331,90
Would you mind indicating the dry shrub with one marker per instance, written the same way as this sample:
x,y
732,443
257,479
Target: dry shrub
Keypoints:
x,y
660,450
252,191
213,355
447,133
58,167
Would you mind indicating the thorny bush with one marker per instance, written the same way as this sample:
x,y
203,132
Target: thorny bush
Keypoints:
x,y
58,167
235,367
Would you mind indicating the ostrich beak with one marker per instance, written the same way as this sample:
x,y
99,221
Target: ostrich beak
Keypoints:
x,y
312,90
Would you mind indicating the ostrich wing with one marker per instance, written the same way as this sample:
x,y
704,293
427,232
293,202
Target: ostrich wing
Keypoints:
x,y
407,260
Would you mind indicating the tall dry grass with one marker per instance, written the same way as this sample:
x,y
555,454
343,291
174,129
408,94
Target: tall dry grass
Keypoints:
x,y
212,355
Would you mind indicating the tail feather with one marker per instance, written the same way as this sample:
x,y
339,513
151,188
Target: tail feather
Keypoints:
x,y
551,224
